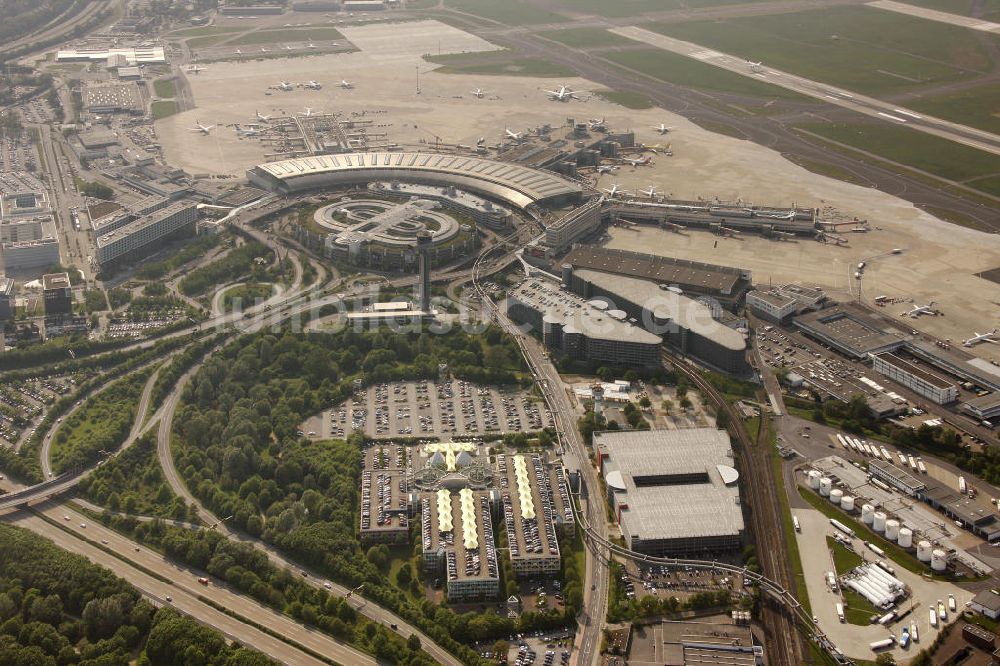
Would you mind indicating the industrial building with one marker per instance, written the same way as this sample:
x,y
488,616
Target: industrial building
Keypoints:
x,y
897,477
28,243
113,98
981,522
673,492
6,299
457,543
723,283
131,235
687,325
145,55
385,511
850,330
987,602
579,329
984,407
917,379
57,293
512,184
692,643
530,509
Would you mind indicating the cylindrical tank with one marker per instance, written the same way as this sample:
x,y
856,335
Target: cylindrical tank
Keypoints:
x,y
878,521
924,551
847,503
891,530
905,539
867,513
825,485
836,495
814,479
939,560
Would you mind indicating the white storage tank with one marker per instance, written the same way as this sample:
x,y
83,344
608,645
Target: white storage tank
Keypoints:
x,y
867,513
847,503
924,551
939,560
836,495
878,521
825,486
814,479
905,539
892,530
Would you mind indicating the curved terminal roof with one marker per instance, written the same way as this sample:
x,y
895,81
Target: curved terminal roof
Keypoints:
x,y
513,183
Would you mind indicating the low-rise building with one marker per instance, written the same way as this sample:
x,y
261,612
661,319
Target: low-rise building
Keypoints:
x,y
897,477
771,305
987,602
917,379
984,407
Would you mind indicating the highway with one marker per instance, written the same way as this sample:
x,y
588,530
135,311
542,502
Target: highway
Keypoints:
x,y
884,111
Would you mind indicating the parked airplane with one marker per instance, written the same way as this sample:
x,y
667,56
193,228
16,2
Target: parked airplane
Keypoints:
x,y
204,129
755,66
918,310
614,189
479,92
658,148
596,122
261,117
347,85
264,49
606,168
310,45
650,191
564,94
637,161
239,51
288,48
194,69
516,136
284,85
662,129
312,85
980,337
307,113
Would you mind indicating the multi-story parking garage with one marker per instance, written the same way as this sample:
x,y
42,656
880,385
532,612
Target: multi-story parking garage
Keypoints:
x,y
516,185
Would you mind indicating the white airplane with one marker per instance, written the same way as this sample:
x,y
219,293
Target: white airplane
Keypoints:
x,y
564,94
307,113
204,129
606,168
980,337
310,45
261,117
239,51
194,69
637,161
650,191
479,92
264,49
662,129
284,85
918,310
312,85
288,48
513,135
755,66
596,122
614,189
347,85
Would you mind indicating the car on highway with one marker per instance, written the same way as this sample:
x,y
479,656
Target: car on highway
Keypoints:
x,y
83,525
170,599
327,585
203,580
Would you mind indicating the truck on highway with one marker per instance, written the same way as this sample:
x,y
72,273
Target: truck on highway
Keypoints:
x,y
831,580
840,611
795,522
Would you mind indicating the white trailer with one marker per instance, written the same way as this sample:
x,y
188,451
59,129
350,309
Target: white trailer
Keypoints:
x,y
795,522
962,487
875,549
840,611
882,644
912,461
921,466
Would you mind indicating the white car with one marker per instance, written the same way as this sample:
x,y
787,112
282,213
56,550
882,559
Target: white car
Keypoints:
x,y
327,585
83,525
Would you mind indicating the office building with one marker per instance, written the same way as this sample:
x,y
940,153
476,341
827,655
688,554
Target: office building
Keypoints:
x,y
57,293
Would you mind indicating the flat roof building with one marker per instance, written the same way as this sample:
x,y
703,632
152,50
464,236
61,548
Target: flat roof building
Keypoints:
x,y
981,522
673,492
147,55
897,477
112,98
987,602
850,330
691,643
984,407
28,243
457,542
58,294
579,329
385,507
685,324
6,299
129,236
916,378
529,511
771,305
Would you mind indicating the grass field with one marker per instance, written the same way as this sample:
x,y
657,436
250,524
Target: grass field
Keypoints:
x,y
630,100
990,8
976,107
164,109
204,30
633,7
207,40
165,88
289,35
683,71
583,37
509,12
941,157
497,63
843,559
860,48
788,533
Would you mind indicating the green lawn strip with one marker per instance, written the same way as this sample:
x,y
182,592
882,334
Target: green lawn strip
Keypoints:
x,y
204,30
843,559
684,71
208,40
509,12
788,530
286,35
989,9
162,109
859,48
497,63
586,37
975,107
857,609
165,88
989,184
630,100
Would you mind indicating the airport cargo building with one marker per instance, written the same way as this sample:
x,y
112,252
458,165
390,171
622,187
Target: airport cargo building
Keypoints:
x,y
916,378
673,492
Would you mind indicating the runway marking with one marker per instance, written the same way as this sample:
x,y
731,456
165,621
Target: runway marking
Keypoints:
x,y
907,113
830,96
892,117
706,54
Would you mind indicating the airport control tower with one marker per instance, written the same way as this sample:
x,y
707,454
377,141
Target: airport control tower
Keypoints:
x,y
423,249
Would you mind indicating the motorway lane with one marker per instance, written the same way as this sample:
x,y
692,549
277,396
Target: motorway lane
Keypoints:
x,y
185,591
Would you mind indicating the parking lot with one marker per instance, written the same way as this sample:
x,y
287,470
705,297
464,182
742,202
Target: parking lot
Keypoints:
x,y
23,405
681,582
427,408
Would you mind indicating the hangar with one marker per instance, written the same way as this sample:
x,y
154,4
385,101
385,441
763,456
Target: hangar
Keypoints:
x,y
513,184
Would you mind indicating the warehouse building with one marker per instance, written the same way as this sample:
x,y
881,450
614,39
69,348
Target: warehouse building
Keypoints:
x,y
113,98
146,55
967,511
917,379
984,407
581,330
457,542
723,283
673,492
897,477
851,330
131,236
685,324
529,510
385,511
